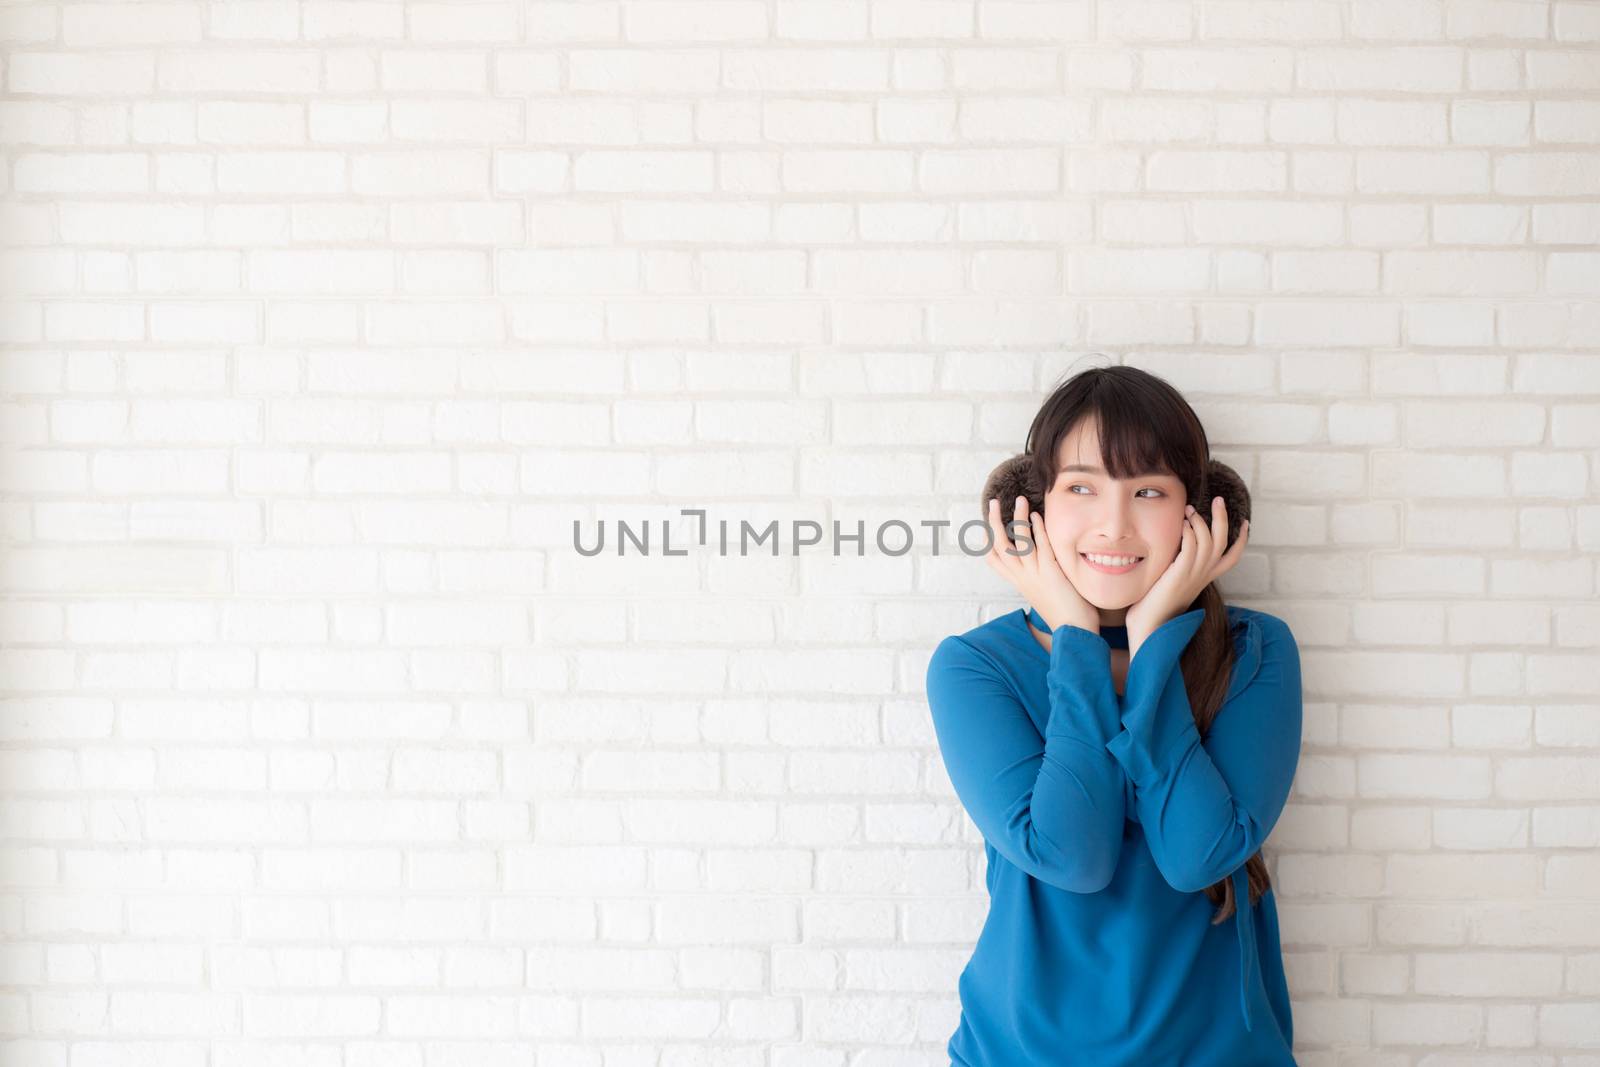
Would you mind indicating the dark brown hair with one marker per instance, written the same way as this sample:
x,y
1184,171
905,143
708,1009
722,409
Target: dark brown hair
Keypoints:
x,y
1145,426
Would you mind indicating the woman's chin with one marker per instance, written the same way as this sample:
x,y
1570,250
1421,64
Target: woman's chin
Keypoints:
x,y
1104,599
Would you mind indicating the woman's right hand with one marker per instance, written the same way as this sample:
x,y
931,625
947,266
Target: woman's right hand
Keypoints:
x,y
1036,573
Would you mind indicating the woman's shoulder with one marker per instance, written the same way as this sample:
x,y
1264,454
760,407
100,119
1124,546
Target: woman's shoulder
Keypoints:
x,y
997,645
1258,636
1263,625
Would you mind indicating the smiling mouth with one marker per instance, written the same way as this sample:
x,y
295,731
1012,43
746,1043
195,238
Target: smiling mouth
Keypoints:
x,y
1114,568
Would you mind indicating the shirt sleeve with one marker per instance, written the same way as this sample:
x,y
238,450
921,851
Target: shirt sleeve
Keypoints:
x,y
1052,805
1206,807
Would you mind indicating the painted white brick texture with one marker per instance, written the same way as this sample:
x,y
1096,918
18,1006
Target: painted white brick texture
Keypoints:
x,y
321,323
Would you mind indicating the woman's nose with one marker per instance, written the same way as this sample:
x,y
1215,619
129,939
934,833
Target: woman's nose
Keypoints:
x,y
1116,518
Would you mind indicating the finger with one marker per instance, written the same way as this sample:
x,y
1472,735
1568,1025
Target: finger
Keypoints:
x,y
1204,557
991,517
1041,538
1236,549
1001,541
1219,524
1186,548
1206,541
1188,544
1231,557
1202,531
1020,517
1176,572
1012,552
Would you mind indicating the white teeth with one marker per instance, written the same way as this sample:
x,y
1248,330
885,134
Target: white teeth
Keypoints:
x,y
1111,561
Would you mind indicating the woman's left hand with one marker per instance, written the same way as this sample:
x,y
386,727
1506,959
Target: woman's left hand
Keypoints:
x,y
1199,562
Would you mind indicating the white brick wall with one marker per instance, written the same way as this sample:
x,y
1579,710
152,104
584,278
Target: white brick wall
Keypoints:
x,y
321,322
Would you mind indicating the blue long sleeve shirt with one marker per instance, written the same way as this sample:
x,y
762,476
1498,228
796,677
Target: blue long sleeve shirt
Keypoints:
x,y
1104,818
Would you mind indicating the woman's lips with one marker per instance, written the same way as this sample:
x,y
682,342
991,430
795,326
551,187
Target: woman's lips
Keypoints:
x,y
1103,569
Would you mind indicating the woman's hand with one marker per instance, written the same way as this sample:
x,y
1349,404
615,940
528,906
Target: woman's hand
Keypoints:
x,y
1200,561
1036,573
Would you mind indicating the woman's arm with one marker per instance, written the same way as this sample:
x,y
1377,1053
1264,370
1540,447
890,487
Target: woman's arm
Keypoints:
x,y
1053,806
1207,807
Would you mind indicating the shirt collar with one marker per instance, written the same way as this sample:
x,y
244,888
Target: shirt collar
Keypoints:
x,y
1115,636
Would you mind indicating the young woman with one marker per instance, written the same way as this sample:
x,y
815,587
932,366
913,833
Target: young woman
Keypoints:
x,y
1124,744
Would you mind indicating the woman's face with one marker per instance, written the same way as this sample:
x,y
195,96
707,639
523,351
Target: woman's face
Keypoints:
x,y
1085,511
